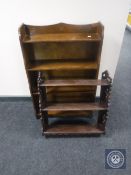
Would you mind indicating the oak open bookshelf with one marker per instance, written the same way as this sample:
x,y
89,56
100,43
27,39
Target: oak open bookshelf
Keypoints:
x,y
62,65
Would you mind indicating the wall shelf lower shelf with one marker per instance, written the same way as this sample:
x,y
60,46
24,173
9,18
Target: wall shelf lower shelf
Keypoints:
x,y
73,129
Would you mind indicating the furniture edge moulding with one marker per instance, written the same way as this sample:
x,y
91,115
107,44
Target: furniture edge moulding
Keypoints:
x,y
28,31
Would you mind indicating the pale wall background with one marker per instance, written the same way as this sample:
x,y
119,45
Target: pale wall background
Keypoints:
x,y
112,13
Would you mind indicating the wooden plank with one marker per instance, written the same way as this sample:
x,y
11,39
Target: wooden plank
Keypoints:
x,y
65,129
63,66
75,82
62,37
75,107
69,114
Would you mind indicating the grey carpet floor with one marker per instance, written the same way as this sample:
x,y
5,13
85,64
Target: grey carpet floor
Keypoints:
x,y
23,151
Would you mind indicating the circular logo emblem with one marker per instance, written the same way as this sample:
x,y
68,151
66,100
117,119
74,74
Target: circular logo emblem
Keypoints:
x,y
115,159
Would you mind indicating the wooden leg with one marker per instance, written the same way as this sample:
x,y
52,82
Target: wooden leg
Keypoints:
x,y
102,118
44,121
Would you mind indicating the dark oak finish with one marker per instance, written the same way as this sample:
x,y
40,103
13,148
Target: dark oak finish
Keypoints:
x,y
62,65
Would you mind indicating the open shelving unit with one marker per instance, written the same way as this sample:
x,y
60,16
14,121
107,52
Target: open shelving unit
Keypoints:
x,y
62,65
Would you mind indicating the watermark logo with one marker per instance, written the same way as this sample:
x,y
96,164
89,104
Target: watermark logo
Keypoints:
x,y
115,158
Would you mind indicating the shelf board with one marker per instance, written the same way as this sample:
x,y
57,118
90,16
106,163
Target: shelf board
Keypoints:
x,y
62,37
69,114
75,82
63,65
75,107
65,129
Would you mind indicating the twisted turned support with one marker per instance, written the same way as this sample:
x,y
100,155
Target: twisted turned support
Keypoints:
x,y
104,98
42,101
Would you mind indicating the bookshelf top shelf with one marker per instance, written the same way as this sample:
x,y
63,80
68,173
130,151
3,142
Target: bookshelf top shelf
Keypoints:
x,y
61,32
62,37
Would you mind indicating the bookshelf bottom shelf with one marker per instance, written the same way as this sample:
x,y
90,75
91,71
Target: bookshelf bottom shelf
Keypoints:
x,y
71,129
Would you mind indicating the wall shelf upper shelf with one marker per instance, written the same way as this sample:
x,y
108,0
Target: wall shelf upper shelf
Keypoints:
x,y
75,107
75,82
